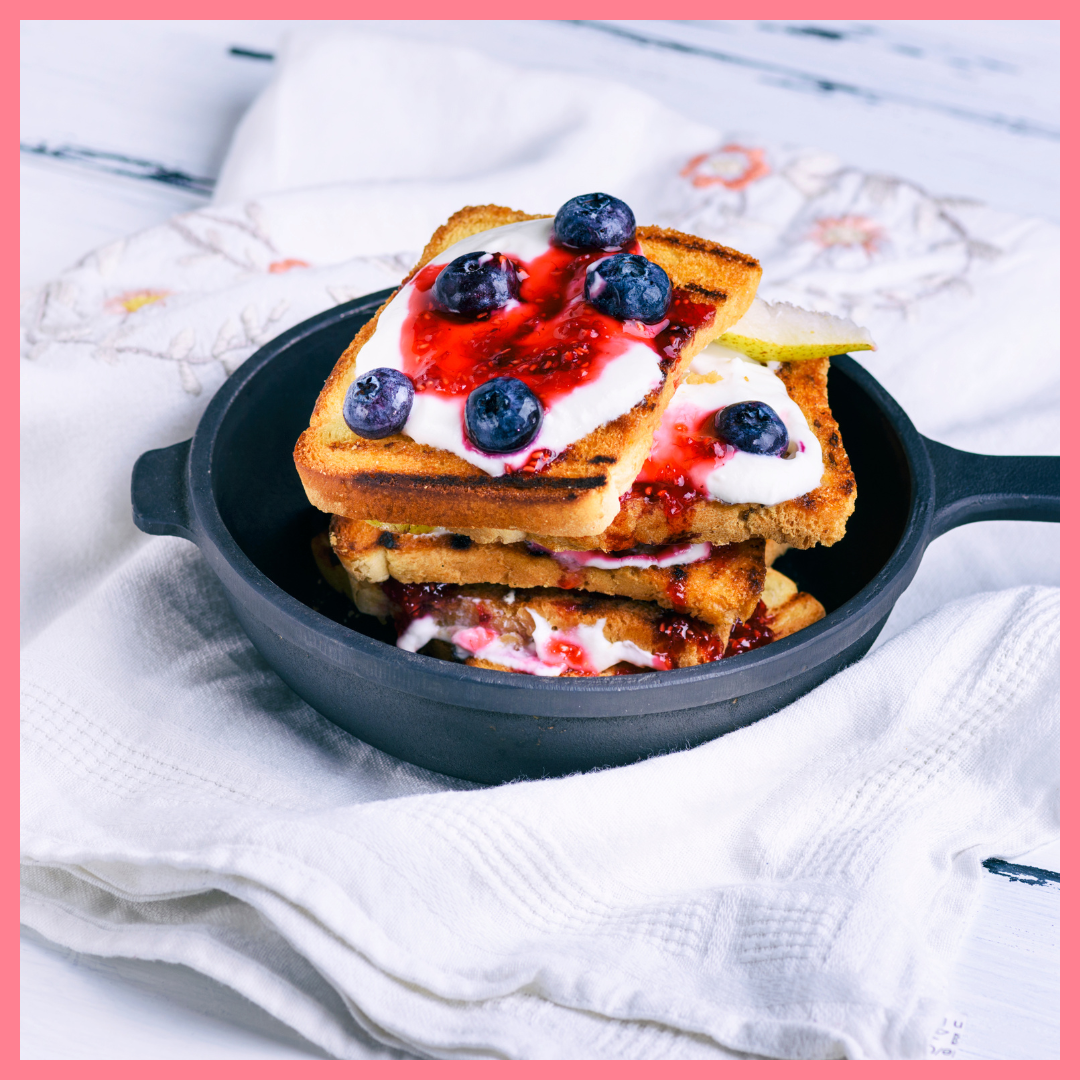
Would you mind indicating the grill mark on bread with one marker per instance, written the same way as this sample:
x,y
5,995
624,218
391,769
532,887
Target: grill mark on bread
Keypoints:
x,y
715,296
602,459
484,482
675,239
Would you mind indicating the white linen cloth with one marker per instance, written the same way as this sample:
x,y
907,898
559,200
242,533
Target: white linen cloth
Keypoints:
x,y
795,889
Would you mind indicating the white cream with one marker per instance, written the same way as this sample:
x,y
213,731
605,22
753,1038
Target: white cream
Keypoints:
x,y
600,654
675,555
478,641
419,632
438,419
740,477
539,656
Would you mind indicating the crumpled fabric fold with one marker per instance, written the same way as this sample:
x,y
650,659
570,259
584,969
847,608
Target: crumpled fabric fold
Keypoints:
x,y
798,888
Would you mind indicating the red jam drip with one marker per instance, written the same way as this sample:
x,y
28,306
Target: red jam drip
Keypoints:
x,y
683,453
411,602
676,589
682,632
673,499
553,340
752,634
570,652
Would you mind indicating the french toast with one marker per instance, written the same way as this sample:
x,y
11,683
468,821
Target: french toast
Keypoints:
x,y
455,622
658,514
572,633
398,478
782,611
718,586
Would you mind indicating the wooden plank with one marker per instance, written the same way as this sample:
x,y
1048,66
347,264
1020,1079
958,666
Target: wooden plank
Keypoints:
x,y
1006,985
172,92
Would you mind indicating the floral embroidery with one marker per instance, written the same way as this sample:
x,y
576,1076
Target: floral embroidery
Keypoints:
x,y
732,166
816,225
282,265
128,302
851,230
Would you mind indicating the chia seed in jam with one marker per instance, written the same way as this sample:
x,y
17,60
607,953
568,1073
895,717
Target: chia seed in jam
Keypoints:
x,y
553,340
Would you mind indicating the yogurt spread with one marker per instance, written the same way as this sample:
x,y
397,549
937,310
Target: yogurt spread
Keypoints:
x,y
661,557
586,368
686,454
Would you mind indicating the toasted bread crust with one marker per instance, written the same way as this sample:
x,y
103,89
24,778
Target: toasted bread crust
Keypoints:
x,y
398,479
717,590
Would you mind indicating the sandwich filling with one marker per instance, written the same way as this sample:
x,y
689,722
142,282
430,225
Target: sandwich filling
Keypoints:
x,y
639,557
642,557
586,368
689,462
517,631
582,648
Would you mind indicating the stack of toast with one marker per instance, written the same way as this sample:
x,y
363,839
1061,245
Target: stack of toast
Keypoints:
x,y
593,556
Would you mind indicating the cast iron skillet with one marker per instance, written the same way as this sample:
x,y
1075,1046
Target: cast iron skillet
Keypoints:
x,y
232,489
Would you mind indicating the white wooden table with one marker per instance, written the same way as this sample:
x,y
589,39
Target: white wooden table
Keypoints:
x,y
124,124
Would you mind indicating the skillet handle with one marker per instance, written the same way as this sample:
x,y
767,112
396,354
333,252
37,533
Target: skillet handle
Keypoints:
x,y
159,492
988,487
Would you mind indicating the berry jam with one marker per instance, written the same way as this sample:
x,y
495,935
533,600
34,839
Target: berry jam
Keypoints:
x,y
676,588
410,602
558,650
673,499
751,634
684,452
681,632
553,340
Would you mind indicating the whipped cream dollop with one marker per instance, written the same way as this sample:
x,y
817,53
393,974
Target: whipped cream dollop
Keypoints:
x,y
550,652
437,419
738,476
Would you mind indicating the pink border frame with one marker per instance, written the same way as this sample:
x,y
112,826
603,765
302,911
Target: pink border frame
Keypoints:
x,y
482,9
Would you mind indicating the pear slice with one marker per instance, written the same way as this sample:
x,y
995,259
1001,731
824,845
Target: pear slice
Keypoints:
x,y
783,331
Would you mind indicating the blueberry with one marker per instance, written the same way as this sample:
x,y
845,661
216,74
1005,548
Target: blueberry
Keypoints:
x,y
752,426
378,403
595,222
629,287
476,283
503,415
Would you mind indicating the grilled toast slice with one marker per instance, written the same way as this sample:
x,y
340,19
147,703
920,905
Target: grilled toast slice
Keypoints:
x,y
786,611
548,631
400,479
649,514
670,639
719,589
